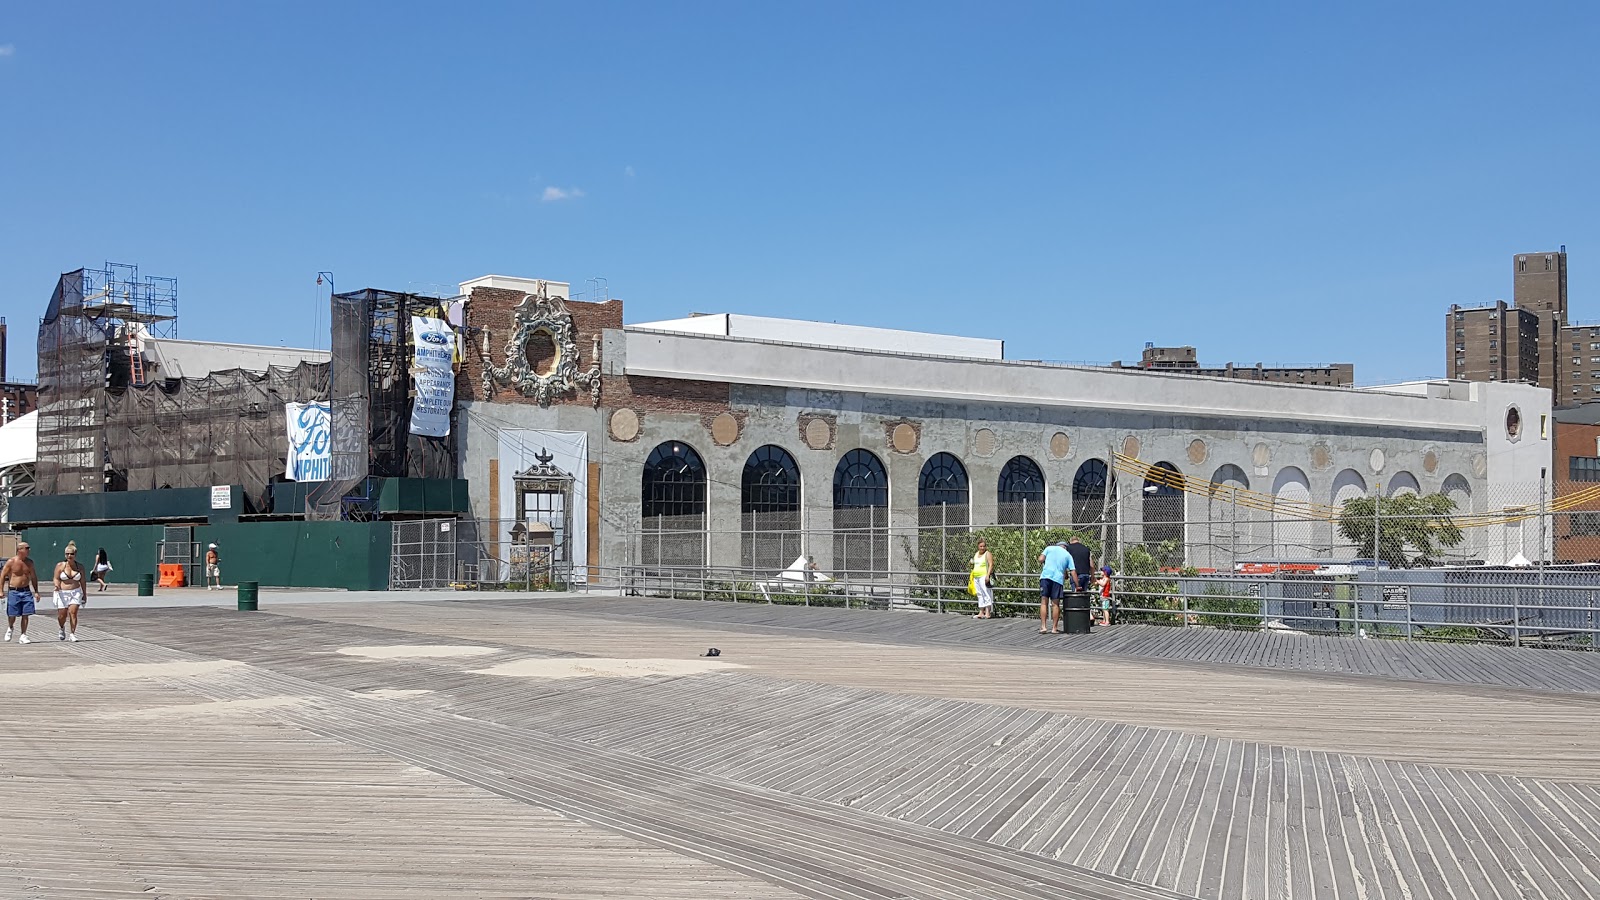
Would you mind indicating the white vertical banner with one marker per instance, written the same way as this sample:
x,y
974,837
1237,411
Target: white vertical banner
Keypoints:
x,y
434,376
310,453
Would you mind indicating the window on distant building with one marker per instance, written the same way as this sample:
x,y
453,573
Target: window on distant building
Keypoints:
x,y
1586,524
1494,329
1493,344
1575,347
1583,468
1547,263
1522,264
1576,360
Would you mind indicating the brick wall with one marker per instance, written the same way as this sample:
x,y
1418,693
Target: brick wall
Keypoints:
x,y
668,395
491,311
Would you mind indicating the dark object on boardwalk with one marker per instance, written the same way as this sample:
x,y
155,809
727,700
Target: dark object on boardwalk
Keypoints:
x,y
1076,612
712,652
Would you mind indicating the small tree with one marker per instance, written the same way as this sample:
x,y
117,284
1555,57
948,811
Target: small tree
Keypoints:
x,y
1420,526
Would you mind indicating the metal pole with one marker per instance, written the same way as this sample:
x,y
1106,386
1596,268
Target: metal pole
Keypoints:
x,y
1542,545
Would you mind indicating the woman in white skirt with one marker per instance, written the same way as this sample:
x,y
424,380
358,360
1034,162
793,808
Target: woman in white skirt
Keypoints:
x,y
102,568
983,580
69,580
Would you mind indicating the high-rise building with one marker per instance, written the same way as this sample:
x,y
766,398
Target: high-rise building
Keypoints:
x,y
1185,361
1527,340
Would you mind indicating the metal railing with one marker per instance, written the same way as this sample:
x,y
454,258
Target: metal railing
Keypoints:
x,y
1412,606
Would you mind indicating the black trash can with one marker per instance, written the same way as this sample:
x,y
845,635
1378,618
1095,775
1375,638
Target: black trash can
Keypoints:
x,y
247,596
147,585
1075,609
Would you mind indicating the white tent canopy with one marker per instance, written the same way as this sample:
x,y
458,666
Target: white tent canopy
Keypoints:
x,y
19,441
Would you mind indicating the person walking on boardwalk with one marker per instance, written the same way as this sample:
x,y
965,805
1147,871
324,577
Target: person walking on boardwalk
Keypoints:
x,y
1081,563
1055,568
983,580
102,568
22,585
213,568
68,581
1102,583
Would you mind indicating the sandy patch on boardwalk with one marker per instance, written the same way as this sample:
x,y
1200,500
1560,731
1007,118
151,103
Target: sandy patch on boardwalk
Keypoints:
x,y
394,693
418,651
605,668
99,674
215,709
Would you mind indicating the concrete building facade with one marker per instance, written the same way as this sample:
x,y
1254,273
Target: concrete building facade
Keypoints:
x,y
684,417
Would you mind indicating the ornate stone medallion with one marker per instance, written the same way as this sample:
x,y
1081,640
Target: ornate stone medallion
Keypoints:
x,y
542,353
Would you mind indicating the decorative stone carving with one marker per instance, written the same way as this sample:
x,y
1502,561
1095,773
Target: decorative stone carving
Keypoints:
x,y
903,437
724,429
1376,461
624,425
985,442
1060,445
817,432
1197,451
1130,447
539,318
1321,456
1430,462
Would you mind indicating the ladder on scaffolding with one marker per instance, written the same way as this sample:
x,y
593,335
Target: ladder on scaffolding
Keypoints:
x,y
135,360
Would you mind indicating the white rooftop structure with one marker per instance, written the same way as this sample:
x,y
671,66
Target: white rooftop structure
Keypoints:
x,y
172,358
512,283
19,441
830,334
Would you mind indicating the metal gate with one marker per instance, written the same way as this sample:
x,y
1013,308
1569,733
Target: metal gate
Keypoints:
x,y
423,556
177,547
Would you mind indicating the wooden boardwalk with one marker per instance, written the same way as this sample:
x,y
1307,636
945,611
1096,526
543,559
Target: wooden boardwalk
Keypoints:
x,y
209,753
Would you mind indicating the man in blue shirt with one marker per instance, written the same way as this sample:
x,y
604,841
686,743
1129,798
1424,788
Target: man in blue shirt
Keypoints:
x,y
1055,563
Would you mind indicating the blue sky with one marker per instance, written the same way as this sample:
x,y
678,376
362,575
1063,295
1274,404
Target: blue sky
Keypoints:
x,y
1276,182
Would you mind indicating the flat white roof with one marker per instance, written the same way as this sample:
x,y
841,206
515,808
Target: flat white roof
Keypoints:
x,y
831,334
196,359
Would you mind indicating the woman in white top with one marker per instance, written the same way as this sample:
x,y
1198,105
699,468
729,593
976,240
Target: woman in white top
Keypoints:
x,y
983,580
102,567
68,595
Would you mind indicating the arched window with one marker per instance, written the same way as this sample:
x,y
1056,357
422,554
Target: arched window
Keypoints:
x,y
1403,483
771,482
1020,492
673,507
1291,519
770,507
1163,506
1089,501
1231,532
1347,486
859,481
943,481
674,482
942,491
860,516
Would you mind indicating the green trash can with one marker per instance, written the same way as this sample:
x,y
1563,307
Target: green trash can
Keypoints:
x,y
247,595
1075,609
147,585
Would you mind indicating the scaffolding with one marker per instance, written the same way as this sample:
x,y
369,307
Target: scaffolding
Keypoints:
x,y
371,394
88,343
226,427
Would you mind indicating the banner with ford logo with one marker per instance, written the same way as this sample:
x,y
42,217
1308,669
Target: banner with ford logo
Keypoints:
x,y
434,375
310,454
